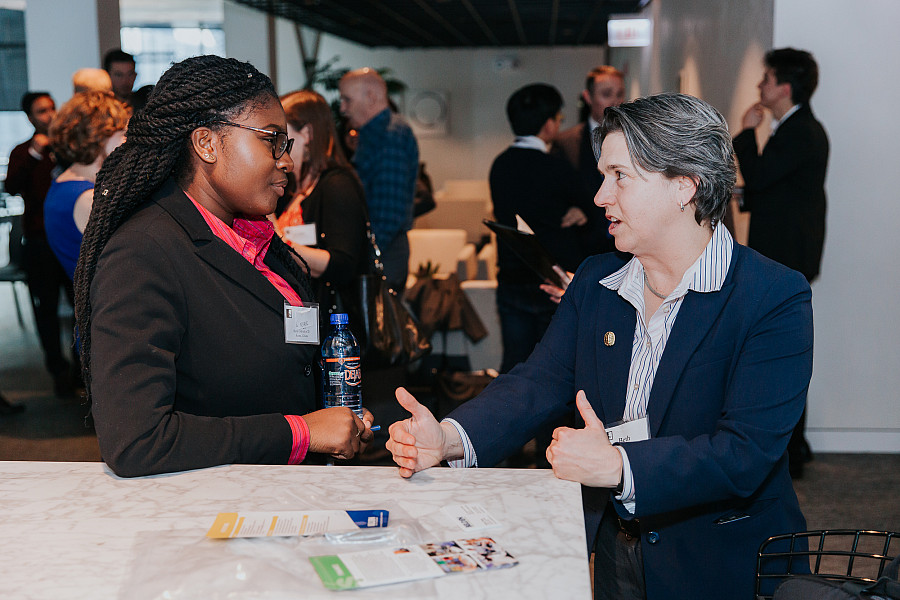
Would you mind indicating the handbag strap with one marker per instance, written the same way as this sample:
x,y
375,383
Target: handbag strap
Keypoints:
x,y
376,251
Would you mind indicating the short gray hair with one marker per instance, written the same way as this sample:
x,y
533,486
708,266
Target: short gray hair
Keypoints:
x,y
678,135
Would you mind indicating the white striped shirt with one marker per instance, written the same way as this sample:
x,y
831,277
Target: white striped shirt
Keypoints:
x,y
707,274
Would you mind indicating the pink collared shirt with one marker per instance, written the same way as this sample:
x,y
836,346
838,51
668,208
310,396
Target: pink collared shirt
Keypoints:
x,y
251,238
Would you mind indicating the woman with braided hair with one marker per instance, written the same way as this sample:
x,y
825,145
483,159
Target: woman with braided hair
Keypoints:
x,y
181,287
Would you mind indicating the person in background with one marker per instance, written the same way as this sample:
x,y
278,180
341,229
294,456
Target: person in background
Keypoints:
x,y
526,180
604,87
328,196
121,68
181,287
29,175
784,186
91,80
387,161
85,131
696,353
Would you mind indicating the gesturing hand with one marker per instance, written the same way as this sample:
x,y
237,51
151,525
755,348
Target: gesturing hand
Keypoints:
x,y
418,442
585,455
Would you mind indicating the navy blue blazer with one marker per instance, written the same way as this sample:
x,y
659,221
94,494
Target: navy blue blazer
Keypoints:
x,y
729,389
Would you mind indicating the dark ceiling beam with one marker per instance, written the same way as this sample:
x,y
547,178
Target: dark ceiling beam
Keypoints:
x,y
589,23
554,20
517,21
398,18
454,23
444,23
480,22
378,31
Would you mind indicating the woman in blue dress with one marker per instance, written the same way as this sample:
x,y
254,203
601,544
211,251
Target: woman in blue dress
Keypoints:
x,y
84,132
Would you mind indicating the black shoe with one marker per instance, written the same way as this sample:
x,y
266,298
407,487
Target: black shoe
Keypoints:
x,y
9,409
796,469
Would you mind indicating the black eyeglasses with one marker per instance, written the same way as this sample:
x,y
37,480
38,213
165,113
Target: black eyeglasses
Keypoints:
x,y
281,143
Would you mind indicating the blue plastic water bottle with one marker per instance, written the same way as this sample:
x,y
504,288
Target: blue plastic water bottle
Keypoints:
x,y
341,369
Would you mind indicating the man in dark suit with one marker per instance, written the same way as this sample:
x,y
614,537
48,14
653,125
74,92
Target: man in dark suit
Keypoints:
x,y
604,86
29,175
784,186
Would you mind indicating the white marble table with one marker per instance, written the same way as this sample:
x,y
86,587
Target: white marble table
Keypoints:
x,y
75,530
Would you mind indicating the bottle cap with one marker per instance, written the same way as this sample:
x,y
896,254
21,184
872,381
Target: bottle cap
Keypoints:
x,y
339,319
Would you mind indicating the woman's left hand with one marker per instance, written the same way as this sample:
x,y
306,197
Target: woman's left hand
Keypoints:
x,y
585,455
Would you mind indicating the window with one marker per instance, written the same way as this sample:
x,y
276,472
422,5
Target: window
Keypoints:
x,y
156,47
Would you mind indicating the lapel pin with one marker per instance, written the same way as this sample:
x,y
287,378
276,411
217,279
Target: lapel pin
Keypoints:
x,y
609,338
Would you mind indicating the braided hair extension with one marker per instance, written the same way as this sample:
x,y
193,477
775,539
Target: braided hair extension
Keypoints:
x,y
192,93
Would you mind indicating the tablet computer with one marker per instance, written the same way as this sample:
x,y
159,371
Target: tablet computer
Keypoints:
x,y
527,247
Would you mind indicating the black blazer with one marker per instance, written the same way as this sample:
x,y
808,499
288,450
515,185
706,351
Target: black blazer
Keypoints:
x,y
784,189
574,145
189,364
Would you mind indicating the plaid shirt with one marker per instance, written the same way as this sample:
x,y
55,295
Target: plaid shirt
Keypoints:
x,y
387,161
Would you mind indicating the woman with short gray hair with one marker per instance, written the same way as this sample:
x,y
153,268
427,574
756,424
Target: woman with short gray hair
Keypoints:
x,y
678,135
696,351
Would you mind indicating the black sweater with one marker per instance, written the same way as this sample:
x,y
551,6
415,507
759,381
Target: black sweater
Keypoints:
x,y
540,188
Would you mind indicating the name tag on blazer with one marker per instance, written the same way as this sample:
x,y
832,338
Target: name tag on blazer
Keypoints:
x,y
629,431
301,324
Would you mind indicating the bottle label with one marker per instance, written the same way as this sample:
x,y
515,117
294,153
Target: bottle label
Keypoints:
x,y
343,370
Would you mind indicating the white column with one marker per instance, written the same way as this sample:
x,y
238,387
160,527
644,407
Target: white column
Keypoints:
x,y
62,37
247,36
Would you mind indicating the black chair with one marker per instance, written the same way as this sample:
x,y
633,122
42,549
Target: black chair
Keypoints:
x,y
14,272
839,555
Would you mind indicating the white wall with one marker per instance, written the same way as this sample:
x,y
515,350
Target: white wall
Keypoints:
x,y
62,37
720,45
246,35
709,49
853,397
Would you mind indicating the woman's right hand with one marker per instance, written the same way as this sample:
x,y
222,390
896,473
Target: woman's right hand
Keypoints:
x,y
337,431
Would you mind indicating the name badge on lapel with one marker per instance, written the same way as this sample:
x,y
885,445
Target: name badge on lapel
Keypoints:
x,y
629,431
301,324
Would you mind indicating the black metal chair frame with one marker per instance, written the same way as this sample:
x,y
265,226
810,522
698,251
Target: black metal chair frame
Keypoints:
x,y
817,551
14,271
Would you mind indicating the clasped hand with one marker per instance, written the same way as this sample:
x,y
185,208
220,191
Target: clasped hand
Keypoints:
x,y
338,432
585,455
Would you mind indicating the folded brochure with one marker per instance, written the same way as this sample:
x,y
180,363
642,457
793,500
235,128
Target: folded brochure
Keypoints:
x,y
288,523
369,568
